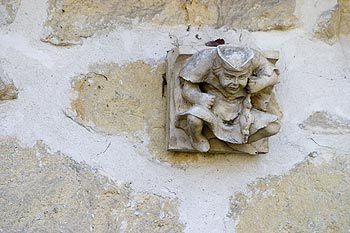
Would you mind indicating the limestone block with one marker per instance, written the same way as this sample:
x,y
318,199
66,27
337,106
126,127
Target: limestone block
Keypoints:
x,y
44,192
328,25
69,21
7,87
333,22
344,6
258,15
8,10
312,197
114,99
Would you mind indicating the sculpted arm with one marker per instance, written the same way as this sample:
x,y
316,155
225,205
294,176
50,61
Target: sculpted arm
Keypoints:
x,y
193,73
266,74
192,93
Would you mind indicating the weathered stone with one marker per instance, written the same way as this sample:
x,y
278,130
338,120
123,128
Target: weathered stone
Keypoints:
x,y
7,87
333,22
119,99
344,6
325,123
328,25
8,10
312,197
210,110
258,15
43,192
69,20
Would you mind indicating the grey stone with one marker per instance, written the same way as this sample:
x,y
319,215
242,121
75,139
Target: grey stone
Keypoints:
x,y
211,111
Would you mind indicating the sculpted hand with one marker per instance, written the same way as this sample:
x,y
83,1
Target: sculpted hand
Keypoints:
x,y
207,100
257,83
245,135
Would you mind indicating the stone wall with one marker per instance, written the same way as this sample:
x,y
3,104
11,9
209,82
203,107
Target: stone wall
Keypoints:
x,y
68,20
83,144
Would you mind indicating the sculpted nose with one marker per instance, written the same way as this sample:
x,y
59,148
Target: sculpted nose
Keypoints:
x,y
233,83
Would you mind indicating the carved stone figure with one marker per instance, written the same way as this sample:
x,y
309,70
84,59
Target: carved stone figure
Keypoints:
x,y
226,91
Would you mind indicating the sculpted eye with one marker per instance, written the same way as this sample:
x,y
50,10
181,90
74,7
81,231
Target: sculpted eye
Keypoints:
x,y
242,77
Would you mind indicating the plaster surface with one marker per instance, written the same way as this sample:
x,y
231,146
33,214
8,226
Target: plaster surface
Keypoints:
x,y
314,77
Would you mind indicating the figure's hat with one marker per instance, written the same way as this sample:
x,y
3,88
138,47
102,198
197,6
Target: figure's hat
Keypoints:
x,y
235,58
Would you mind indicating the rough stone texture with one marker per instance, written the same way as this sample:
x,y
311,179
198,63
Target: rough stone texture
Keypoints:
x,y
69,21
312,197
328,25
344,6
114,96
258,15
8,10
7,87
333,22
44,192
326,123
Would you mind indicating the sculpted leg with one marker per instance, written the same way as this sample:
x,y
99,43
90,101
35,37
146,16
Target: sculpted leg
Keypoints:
x,y
244,148
271,129
198,140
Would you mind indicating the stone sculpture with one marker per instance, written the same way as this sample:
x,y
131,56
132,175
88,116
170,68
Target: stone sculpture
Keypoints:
x,y
226,91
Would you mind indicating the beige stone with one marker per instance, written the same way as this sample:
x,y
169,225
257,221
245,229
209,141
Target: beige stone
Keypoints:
x,y
8,10
344,6
312,197
333,22
45,192
258,15
69,21
8,89
118,99
328,25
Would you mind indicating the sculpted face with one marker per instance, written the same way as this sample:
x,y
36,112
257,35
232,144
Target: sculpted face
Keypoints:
x,y
232,82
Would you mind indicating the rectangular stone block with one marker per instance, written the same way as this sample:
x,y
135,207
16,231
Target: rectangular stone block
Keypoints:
x,y
177,139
